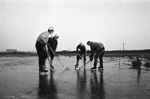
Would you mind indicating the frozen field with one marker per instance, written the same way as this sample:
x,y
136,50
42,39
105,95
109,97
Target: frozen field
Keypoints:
x,y
20,79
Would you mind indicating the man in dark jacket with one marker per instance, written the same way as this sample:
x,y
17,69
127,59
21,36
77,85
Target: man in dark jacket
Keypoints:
x,y
97,49
81,50
52,45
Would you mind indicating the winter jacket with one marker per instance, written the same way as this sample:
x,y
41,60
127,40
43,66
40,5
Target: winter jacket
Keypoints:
x,y
43,38
95,47
52,44
81,49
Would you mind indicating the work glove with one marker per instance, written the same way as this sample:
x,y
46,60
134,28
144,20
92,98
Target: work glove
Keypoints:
x,y
91,58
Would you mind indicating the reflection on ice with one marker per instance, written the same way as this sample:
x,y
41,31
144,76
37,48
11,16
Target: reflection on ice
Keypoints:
x,y
47,87
97,85
117,80
81,83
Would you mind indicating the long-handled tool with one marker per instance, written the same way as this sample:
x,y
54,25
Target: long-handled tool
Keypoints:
x,y
49,60
50,63
87,62
67,68
60,62
85,65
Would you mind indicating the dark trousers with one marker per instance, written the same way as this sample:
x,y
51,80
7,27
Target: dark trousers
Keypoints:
x,y
41,51
99,54
80,57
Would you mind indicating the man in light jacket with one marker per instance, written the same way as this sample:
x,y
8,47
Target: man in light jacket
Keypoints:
x,y
41,47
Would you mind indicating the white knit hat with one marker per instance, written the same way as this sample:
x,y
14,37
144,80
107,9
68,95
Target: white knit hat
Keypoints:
x,y
51,28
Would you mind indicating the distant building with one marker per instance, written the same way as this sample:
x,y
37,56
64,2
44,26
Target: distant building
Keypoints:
x,y
11,50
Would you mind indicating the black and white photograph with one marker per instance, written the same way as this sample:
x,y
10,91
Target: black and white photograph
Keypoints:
x,y
74,49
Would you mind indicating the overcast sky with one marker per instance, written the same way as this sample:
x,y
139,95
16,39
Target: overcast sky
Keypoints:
x,y
110,22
